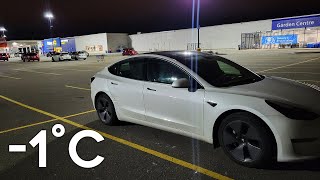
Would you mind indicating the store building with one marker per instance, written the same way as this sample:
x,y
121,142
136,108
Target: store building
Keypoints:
x,y
100,43
294,32
23,46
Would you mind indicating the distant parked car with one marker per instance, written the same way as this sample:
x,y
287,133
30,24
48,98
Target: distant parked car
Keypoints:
x,y
4,56
85,52
18,54
30,57
79,55
51,53
61,56
129,52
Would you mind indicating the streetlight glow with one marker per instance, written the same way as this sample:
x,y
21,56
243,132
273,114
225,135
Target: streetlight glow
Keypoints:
x,y
2,29
48,15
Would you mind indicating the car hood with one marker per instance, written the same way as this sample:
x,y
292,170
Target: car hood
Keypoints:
x,y
282,90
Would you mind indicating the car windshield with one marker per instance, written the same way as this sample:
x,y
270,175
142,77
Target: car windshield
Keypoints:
x,y
215,70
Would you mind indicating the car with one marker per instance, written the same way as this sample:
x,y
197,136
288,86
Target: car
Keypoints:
x,y
51,53
4,56
85,52
30,57
129,52
256,119
78,55
61,56
18,54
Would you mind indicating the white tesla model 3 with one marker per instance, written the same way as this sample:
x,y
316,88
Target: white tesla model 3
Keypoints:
x,y
254,118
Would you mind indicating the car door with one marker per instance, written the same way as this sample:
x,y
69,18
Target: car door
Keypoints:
x,y
176,108
126,88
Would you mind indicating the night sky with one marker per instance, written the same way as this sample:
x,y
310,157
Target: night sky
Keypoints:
x,y
24,19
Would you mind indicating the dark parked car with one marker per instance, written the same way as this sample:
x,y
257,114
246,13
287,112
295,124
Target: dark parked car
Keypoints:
x,y
30,57
129,52
4,56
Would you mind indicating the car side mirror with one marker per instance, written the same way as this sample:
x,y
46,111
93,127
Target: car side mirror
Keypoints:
x,y
181,83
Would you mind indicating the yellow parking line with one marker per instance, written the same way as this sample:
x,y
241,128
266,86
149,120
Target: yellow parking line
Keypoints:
x,y
26,126
74,87
39,72
128,143
44,122
289,65
10,77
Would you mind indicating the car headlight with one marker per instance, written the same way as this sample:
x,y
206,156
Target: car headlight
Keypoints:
x,y
292,112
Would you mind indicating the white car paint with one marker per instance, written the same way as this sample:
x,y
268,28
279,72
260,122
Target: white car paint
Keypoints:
x,y
188,113
61,57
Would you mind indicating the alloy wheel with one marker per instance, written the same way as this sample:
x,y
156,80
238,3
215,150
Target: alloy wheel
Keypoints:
x,y
242,141
104,110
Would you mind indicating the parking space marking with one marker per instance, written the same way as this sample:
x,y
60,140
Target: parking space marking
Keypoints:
x,y
10,77
44,122
281,67
308,81
293,73
81,70
39,72
128,143
74,87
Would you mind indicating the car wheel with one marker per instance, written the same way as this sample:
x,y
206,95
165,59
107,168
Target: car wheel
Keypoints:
x,y
247,140
84,58
105,110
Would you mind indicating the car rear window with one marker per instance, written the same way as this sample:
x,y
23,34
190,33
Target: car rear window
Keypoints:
x,y
3,54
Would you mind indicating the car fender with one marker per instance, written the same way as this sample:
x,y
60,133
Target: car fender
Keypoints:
x,y
256,106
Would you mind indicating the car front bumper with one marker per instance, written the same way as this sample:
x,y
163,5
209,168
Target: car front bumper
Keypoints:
x,y
296,139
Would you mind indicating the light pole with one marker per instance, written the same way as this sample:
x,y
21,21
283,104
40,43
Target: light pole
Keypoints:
x,y
198,23
3,30
50,16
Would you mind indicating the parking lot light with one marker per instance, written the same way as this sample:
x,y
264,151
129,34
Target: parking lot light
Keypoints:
x,y
3,30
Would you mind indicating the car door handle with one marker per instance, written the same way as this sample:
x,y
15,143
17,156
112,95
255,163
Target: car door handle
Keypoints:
x,y
151,89
114,83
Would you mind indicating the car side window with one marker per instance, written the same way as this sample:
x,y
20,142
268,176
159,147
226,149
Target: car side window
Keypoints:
x,y
133,69
164,72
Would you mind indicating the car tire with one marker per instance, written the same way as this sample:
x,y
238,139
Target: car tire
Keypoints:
x,y
105,109
247,140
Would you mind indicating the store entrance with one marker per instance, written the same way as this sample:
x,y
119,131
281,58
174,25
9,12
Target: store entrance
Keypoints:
x,y
250,40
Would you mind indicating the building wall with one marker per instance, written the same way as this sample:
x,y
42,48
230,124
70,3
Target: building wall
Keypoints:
x,y
117,41
212,37
94,44
14,45
68,44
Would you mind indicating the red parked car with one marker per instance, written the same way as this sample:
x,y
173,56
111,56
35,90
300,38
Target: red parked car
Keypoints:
x,y
30,57
129,52
4,56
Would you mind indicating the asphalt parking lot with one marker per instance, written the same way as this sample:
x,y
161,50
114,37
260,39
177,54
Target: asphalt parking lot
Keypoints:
x,y
35,96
